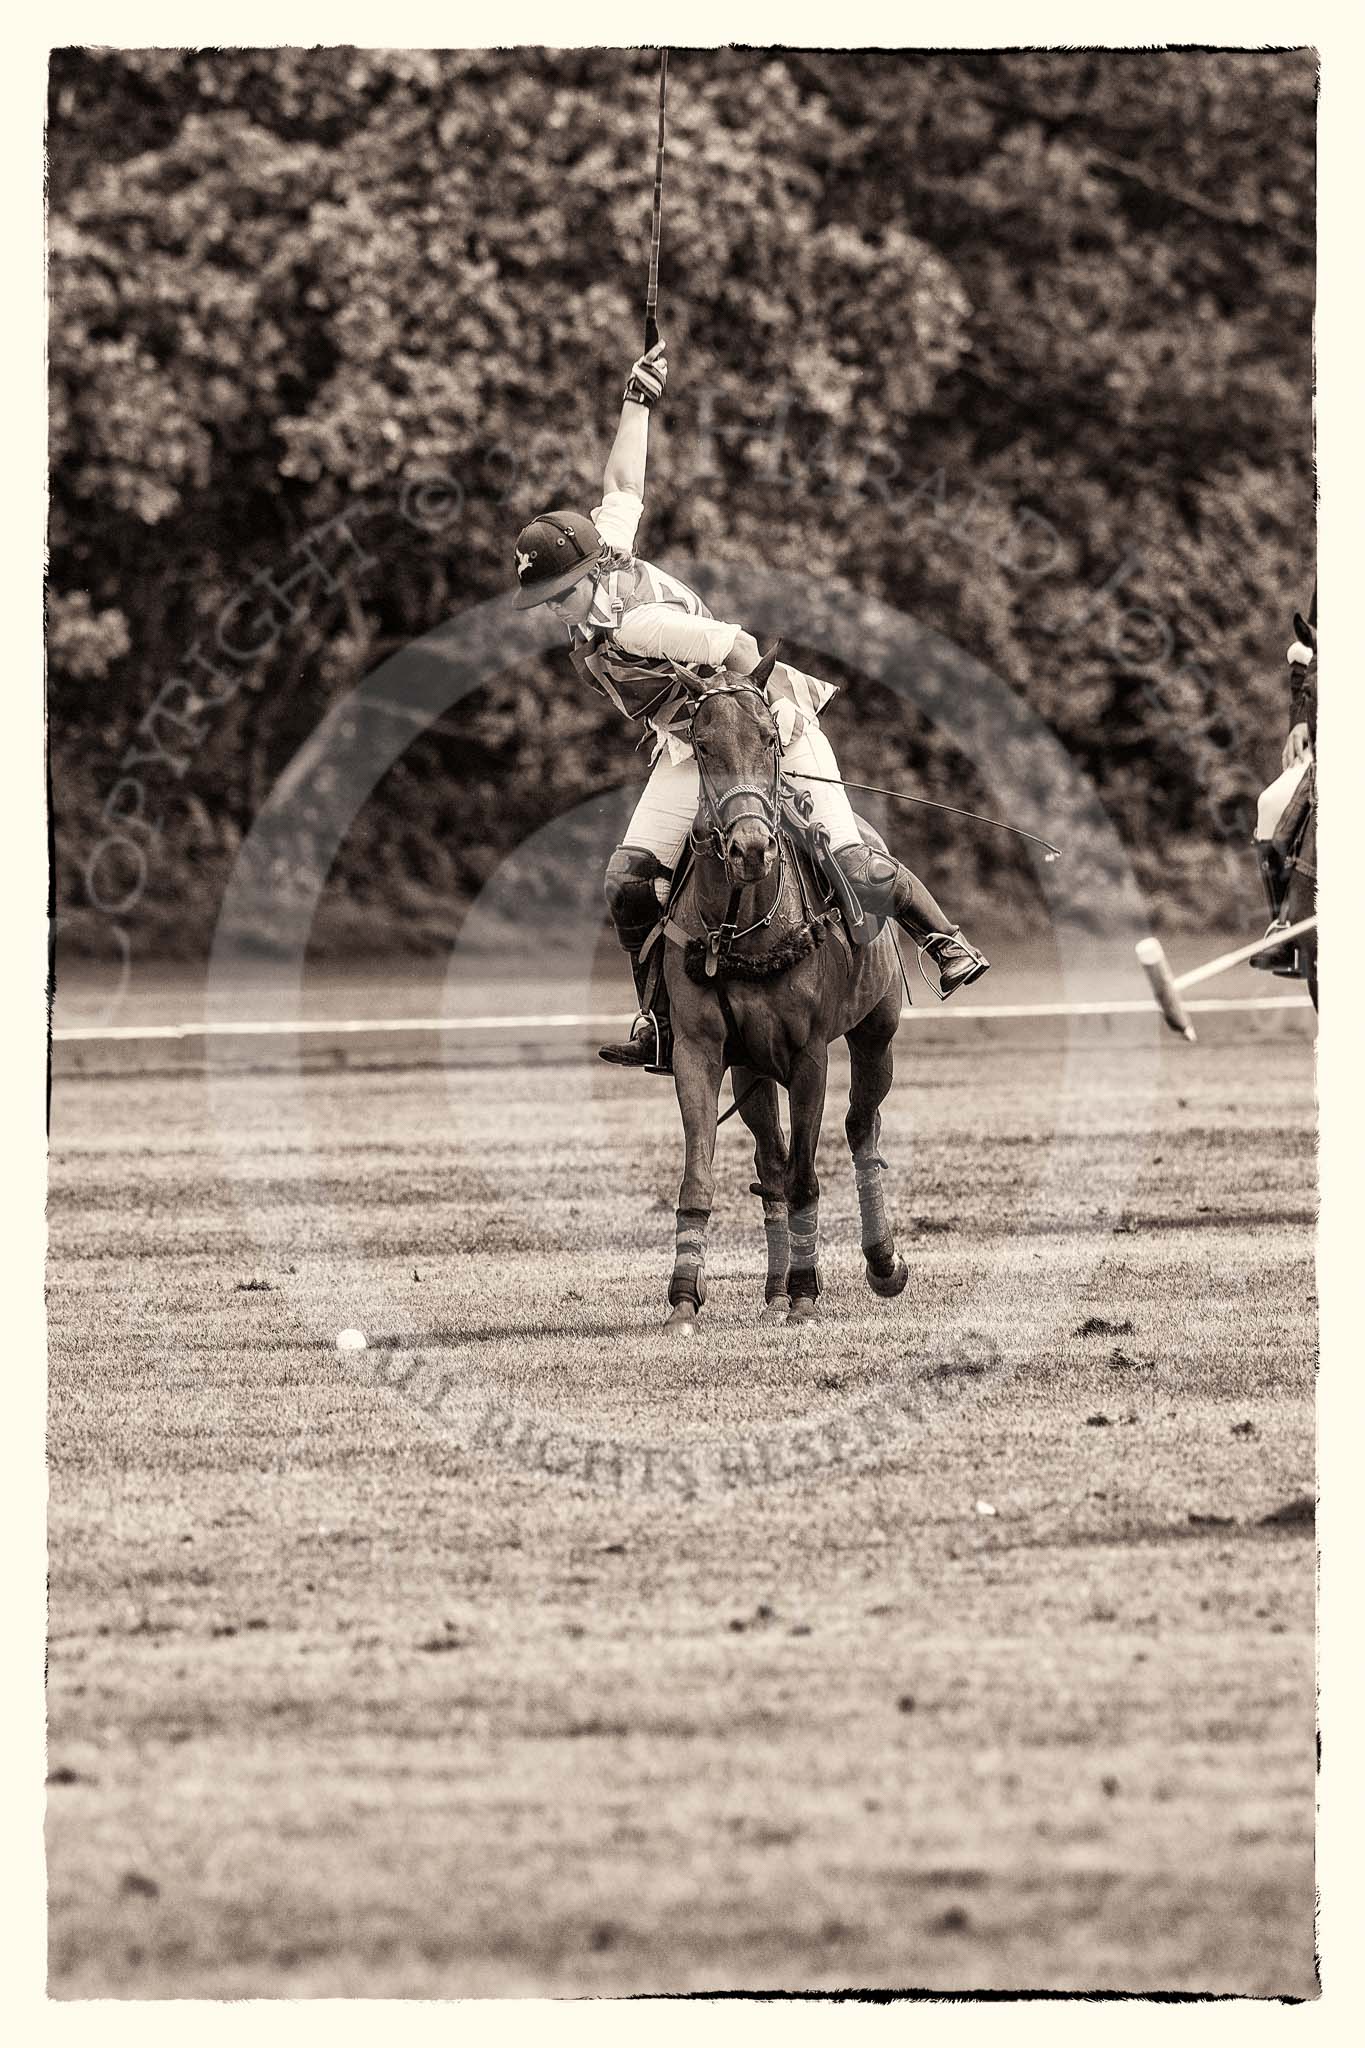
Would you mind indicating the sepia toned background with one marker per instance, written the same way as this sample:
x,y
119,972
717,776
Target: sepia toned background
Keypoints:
x,y
963,1642
1018,344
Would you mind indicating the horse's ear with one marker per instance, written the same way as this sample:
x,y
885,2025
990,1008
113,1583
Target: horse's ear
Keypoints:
x,y
695,682
1303,631
760,675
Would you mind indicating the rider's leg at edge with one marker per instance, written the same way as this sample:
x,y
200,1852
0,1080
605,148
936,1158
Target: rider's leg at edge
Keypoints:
x,y
1274,957
1281,829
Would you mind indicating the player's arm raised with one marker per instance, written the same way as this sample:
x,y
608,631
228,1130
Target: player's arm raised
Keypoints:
x,y
625,470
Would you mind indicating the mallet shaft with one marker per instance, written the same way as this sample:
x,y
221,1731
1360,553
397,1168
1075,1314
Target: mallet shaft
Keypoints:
x,y
1226,960
652,288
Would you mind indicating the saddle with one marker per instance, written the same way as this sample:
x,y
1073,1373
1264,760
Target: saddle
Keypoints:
x,y
860,927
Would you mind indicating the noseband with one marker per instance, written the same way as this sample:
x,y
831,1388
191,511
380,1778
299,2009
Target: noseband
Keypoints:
x,y
765,805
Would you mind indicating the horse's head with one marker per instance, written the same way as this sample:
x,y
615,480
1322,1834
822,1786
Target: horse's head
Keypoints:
x,y
735,739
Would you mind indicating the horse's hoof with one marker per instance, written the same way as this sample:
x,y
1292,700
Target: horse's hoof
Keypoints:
x,y
889,1284
803,1310
683,1321
777,1310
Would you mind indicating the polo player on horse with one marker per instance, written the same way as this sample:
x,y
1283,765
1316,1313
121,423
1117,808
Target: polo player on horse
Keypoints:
x,y
1286,813
632,628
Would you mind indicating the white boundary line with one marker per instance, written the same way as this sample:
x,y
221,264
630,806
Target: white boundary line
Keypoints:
x,y
70,1034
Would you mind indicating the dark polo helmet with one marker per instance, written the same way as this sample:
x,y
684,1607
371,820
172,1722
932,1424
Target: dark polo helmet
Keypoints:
x,y
553,552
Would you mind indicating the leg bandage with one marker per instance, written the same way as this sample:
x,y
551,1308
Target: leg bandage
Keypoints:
x,y
779,1247
804,1226
868,1169
689,1258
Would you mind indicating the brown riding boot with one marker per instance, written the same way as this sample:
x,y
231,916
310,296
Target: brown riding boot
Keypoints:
x,y
1274,957
650,1044
633,898
959,963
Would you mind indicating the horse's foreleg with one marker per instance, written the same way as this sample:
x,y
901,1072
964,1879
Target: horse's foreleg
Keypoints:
x,y
806,1094
697,1070
758,1107
871,1062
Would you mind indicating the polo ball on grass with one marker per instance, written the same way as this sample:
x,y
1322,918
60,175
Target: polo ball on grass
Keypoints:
x,y
351,1340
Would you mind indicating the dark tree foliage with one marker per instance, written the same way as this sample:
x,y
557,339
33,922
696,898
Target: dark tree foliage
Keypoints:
x,y
967,334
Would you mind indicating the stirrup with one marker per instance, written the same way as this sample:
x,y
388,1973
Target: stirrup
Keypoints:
x,y
647,1037
1273,955
933,944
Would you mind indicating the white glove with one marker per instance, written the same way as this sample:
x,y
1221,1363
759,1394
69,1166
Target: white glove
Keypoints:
x,y
648,376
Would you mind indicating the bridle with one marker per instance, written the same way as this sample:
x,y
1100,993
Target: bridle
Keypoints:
x,y
765,805
718,830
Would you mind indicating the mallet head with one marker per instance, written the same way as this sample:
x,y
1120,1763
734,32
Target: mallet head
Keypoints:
x,y
1157,969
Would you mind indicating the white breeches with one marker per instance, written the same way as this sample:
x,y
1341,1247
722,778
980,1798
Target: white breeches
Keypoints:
x,y
1272,802
669,804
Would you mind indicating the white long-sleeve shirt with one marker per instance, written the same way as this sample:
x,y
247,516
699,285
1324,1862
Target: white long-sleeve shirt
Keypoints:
x,y
643,622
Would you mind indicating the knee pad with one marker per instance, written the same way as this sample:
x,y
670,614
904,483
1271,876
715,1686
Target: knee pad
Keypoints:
x,y
875,876
629,889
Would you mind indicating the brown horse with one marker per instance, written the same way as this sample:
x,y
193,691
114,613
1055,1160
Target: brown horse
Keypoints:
x,y
762,978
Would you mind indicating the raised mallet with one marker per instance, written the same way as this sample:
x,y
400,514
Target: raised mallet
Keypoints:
x,y
652,288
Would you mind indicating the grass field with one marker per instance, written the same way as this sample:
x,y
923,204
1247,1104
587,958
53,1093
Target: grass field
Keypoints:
x,y
945,1644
